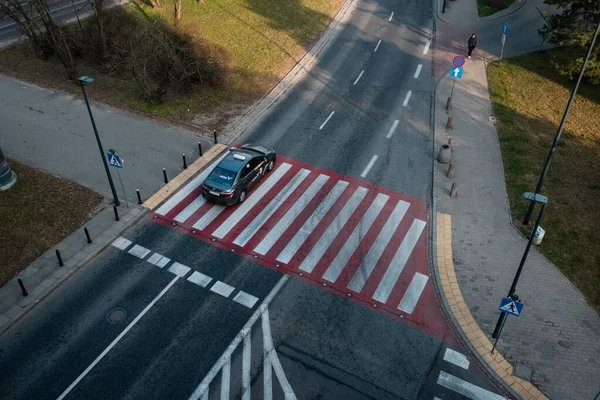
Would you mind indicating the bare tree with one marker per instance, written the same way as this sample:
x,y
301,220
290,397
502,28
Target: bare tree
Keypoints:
x,y
155,4
99,13
26,24
177,11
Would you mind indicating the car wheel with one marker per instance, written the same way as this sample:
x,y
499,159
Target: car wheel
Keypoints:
x,y
242,196
271,166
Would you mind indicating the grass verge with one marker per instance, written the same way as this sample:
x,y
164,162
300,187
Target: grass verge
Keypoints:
x,y
484,9
38,212
529,100
261,39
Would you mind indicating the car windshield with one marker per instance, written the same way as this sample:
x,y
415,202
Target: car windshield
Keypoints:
x,y
222,176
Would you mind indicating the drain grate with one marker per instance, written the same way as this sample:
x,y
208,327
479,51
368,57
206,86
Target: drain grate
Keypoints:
x,y
116,315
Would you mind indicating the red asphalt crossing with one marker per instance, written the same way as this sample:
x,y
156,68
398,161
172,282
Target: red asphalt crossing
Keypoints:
x,y
346,235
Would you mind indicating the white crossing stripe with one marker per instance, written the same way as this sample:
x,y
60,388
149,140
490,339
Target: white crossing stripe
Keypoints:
x,y
340,261
311,223
188,189
200,279
139,251
245,207
410,298
209,216
159,260
179,269
367,265
190,209
245,299
465,388
121,243
456,358
333,230
222,288
289,217
271,208
399,261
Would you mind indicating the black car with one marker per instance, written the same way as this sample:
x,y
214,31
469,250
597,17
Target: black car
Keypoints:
x,y
231,180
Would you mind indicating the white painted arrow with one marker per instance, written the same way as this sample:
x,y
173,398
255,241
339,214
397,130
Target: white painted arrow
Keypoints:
x,y
456,72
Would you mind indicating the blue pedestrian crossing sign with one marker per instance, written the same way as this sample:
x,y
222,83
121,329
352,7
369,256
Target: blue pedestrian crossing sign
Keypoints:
x,y
456,72
505,29
115,160
511,307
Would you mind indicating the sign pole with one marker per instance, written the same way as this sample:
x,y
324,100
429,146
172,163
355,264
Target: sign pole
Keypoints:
x,y
452,91
504,31
123,187
498,337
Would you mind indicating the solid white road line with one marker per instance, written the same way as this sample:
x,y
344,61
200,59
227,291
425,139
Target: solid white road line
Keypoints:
x,y
187,189
392,129
222,288
367,266
202,388
426,49
139,251
251,201
269,350
407,98
333,230
359,75
369,166
311,223
179,269
267,365
414,291
456,358
200,279
465,388
190,209
114,342
337,265
418,71
376,47
399,261
271,208
121,243
284,223
391,16
209,216
245,299
327,120
225,380
246,358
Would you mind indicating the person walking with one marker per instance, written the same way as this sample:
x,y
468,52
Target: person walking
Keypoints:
x,y
472,43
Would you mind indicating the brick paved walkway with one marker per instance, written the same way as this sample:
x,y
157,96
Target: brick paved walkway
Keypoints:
x,y
486,247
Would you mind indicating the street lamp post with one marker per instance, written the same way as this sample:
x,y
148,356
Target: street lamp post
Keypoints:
x,y
538,188
534,198
83,80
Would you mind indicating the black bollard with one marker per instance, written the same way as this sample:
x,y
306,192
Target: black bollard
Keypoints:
x,y
116,213
87,235
137,191
60,262
165,175
199,149
184,162
215,134
23,290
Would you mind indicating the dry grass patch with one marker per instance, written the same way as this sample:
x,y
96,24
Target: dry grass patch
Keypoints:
x,y
38,212
529,100
261,40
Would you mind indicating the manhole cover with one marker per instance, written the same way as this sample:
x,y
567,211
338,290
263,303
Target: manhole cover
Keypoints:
x,y
564,344
116,315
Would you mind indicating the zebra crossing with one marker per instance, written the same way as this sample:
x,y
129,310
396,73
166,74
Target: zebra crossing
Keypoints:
x,y
349,236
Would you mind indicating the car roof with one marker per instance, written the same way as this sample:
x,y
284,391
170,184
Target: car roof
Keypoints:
x,y
233,164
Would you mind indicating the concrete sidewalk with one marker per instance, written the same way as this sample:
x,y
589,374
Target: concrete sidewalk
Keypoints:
x,y
555,343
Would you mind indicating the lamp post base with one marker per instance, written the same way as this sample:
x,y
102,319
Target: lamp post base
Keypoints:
x,y
8,180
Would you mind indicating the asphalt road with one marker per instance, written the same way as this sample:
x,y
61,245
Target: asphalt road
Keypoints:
x,y
310,341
